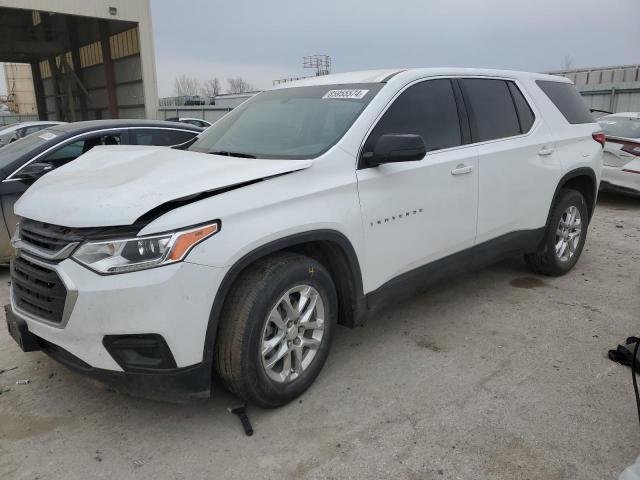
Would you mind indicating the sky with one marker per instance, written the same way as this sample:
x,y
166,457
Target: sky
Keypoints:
x,y
265,40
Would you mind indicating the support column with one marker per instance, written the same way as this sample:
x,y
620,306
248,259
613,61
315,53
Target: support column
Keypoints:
x,y
109,71
38,88
61,113
612,100
72,30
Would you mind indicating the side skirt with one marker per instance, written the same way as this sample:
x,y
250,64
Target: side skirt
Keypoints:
x,y
474,258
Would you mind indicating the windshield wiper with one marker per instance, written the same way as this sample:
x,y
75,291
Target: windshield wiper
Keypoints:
x,y
233,154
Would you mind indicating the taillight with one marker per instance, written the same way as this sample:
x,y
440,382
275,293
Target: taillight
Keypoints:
x,y
632,148
600,138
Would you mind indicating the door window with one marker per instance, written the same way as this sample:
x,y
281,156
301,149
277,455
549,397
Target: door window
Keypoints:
x,y
159,136
427,109
71,151
493,113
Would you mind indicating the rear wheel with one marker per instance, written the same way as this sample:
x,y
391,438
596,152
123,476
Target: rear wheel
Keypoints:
x,y
276,329
565,236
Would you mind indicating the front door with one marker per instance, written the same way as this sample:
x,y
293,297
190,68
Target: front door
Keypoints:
x,y
417,212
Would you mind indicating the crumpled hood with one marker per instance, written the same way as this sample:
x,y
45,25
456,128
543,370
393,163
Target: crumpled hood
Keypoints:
x,y
116,185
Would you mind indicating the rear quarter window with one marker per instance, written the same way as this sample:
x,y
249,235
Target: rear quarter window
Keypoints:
x,y
567,99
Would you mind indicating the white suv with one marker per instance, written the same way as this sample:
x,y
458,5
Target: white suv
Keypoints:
x,y
306,207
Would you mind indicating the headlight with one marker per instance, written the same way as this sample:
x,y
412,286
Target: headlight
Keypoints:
x,y
131,254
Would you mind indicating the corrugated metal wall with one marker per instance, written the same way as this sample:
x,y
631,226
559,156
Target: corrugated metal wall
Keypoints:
x,y
614,89
127,66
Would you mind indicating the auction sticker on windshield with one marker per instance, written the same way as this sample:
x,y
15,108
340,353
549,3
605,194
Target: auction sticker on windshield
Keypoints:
x,y
47,136
341,94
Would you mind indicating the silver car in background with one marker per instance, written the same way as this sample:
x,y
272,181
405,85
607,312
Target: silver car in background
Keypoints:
x,y
15,131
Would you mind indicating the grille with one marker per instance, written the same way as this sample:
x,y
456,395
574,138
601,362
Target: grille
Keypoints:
x,y
47,237
38,290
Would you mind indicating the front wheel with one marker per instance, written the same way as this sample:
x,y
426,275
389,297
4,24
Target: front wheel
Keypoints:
x,y
564,237
276,329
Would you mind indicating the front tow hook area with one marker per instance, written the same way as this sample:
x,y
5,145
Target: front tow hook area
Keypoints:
x,y
19,331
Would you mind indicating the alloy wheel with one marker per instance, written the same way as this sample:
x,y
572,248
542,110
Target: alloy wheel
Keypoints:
x,y
568,233
292,334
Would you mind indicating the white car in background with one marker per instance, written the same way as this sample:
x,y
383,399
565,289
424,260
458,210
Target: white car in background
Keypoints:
x,y
621,158
15,131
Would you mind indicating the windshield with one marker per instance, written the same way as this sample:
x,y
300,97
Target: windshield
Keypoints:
x,y
621,126
13,151
288,123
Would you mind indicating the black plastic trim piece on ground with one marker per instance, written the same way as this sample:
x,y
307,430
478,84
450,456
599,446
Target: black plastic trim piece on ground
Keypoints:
x,y
241,412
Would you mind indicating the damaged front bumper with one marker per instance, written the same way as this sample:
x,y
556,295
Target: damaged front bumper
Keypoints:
x,y
142,332
195,379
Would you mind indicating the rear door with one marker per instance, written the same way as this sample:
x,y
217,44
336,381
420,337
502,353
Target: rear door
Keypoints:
x,y
518,170
417,212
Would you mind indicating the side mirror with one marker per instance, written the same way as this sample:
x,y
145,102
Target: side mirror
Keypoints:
x,y
393,148
36,170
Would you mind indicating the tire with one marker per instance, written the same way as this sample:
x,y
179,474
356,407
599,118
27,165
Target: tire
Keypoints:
x,y
247,326
548,260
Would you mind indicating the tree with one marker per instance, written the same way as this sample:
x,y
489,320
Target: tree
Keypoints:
x,y
185,85
239,85
211,87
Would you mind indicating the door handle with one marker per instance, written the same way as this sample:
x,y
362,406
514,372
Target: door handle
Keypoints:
x,y
545,151
461,169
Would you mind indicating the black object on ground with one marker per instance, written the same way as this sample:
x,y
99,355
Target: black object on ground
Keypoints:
x,y
241,412
624,355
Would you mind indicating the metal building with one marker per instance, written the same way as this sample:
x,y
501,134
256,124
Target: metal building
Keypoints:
x,y
89,59
613,89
